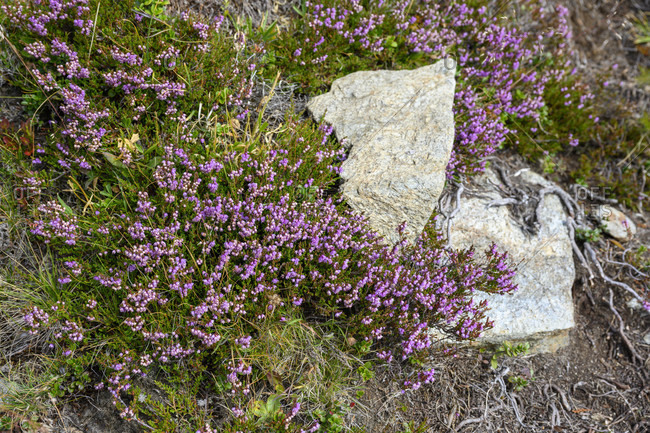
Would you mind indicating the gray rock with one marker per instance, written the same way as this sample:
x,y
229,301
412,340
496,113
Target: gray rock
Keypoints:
x,y
541,311
400,127
616,223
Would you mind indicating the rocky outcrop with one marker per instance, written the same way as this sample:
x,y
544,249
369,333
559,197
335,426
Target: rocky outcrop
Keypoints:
x,y
400,129
541,311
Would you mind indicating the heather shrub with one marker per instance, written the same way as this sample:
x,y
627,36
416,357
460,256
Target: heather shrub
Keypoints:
x,y
102,92
188,236
216,249
514,87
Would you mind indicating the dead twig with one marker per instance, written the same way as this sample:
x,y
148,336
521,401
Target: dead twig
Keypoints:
x,y
482,418
596,262
613,262
566,199
614,382
576,250
555,415
563,399
504,391
621,331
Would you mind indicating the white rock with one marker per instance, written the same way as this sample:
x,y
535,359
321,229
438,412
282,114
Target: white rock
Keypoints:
x,y
616,223
541,311
400,127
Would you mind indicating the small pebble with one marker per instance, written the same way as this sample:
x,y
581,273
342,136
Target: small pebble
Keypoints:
x,y
616,223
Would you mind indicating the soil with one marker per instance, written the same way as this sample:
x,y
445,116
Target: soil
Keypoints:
x,y
598,383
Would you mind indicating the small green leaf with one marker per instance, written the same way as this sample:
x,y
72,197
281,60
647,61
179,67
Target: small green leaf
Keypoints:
x,y
112,159
302,11
108,190
67,208
273,404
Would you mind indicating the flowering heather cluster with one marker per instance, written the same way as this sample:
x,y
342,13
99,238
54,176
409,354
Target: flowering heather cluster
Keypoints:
x,y
136,81
57,224
39,15
503,71
218,241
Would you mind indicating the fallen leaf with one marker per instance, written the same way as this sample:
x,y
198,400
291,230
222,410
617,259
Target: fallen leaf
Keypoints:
x,y
580,410
617,243
128,144
644,49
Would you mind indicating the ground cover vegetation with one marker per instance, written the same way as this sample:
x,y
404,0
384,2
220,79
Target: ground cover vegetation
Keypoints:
x,y
196,259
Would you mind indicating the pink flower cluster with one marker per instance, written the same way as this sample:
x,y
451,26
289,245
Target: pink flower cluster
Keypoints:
x,y
55,224
142,77
44,13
